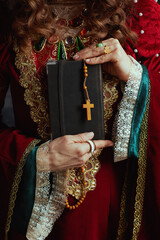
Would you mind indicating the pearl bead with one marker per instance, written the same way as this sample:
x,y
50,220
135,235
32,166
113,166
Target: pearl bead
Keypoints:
x,y
157,55
156,0
142,31
140,14
135,1
135,50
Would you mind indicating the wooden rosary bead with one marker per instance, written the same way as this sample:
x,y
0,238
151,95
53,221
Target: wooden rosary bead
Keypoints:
x,y
80,201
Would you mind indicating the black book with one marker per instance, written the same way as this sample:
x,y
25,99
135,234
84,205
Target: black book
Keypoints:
x,y
67,99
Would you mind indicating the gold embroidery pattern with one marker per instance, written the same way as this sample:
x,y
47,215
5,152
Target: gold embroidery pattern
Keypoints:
x,y
92,166
139,198
142,165
16,183
34,93
110,94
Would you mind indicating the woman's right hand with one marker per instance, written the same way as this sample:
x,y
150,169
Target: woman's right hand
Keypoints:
x,y
67,152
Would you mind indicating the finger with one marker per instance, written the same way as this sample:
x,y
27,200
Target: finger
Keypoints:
x,y
85,148
82,149
111,41
91,51
103,143
101,59
94,51
71,145
82,137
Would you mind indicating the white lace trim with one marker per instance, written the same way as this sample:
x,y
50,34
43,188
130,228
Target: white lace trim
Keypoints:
x,y
50,198
123,119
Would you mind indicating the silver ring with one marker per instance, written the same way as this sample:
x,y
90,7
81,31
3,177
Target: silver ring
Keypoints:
x,y
92,146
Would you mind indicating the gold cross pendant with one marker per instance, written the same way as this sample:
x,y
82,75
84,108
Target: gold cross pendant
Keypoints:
x,y
88,107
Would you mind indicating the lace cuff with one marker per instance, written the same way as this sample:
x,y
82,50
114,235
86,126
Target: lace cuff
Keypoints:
x,y
49,200
123,119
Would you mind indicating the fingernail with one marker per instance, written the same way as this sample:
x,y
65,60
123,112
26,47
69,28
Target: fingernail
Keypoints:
x,y
110,144
76,56
88,60
90,134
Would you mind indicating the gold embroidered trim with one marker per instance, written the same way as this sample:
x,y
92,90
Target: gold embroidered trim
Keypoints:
x,y
34,92
141,180
16,183
92,166
139,198
122,222
110,94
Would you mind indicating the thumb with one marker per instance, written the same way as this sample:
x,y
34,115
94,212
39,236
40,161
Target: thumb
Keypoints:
x,y
82,137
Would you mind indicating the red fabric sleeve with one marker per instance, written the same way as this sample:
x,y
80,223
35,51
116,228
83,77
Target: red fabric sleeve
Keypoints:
x,y
12,143
145,21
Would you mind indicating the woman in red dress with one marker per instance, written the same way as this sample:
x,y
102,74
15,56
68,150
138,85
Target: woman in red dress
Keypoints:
x,y
54,189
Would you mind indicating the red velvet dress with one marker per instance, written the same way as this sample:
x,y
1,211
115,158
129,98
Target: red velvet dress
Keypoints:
x,y
97,218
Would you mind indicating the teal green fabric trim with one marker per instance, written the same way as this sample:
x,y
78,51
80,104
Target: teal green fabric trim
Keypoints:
x,y
138,114
26,194
133,152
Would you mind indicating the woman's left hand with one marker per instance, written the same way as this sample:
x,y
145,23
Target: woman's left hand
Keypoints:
x,y
116,62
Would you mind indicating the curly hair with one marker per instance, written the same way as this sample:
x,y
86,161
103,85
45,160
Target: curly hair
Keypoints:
x,y
108,18
31,19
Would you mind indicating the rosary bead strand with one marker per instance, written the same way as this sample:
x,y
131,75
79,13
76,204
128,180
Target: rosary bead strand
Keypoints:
x,y
80,201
